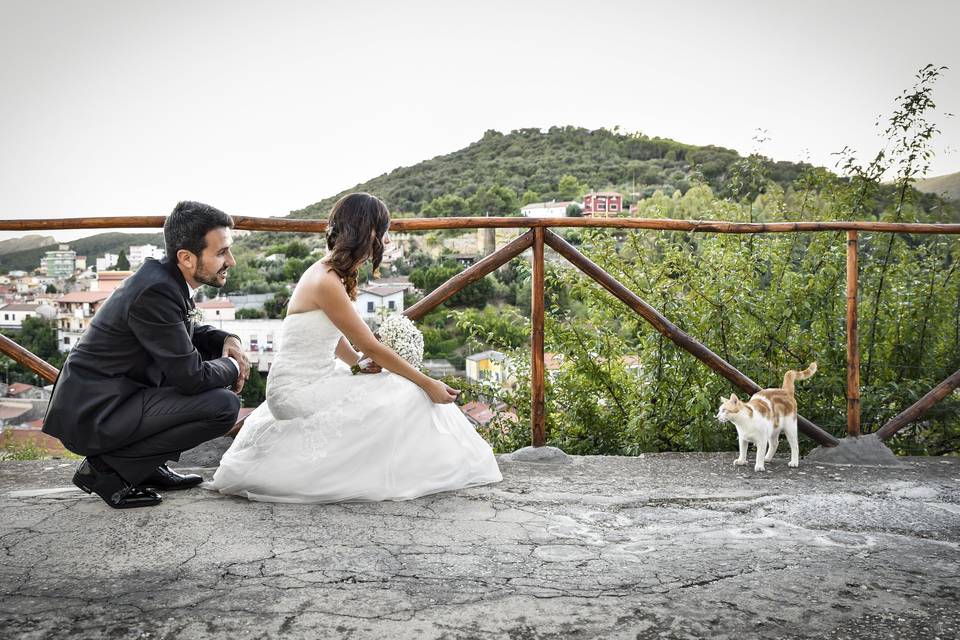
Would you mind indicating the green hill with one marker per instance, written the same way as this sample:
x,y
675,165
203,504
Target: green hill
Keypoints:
x,y
534,160
91,247
947,186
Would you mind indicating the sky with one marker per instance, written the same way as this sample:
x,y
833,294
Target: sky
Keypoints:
x,y
113,107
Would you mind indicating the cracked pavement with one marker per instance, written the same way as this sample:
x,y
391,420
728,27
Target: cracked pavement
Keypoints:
x,y
660,546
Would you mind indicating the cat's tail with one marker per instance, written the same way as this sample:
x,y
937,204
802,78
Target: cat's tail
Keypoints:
x,y
790,376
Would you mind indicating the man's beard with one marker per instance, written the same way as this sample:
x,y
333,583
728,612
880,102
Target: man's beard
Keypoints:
x,y
210,278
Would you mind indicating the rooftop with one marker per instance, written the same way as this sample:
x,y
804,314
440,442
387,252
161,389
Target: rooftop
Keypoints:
x,y
114,275
17,388
84,296
15,306
382,291
496,356
660,546
546,205
216,303
11,409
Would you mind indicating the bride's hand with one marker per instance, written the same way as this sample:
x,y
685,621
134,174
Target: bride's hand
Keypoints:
x,y
441,393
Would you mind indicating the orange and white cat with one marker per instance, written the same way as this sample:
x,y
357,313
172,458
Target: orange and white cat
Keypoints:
x,y
764,417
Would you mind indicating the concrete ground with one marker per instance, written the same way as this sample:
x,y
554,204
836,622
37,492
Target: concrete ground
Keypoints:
x,y
660,546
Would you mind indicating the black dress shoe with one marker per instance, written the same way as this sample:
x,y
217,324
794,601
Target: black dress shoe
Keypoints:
x,y
114,490
165,478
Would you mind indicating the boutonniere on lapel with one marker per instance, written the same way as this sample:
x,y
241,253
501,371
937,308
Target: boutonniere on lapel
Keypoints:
x,y
195,315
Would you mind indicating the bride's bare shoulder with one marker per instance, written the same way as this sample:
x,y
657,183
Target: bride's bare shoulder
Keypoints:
x,y
318,287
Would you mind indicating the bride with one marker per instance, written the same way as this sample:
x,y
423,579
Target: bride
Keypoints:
x,y
324,435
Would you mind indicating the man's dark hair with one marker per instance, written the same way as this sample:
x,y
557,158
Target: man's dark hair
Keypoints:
x,y
187,227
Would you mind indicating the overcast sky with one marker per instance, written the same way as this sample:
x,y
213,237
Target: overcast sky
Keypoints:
x,y
124,107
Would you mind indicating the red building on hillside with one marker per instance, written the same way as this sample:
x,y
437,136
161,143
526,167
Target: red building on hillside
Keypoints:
x,y
602,204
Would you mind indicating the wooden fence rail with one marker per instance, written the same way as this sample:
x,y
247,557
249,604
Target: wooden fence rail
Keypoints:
x,y
537,237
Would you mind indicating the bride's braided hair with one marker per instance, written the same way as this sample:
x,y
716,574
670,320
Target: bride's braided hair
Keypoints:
x,y
355,231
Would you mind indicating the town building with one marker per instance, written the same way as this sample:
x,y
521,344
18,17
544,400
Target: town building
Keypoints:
x,y
12,315
602,204
439,368
260,338
395,281
139,253
377,302
552,209
60,263
109,281
74,312
487,365
250,300
217,309
107,262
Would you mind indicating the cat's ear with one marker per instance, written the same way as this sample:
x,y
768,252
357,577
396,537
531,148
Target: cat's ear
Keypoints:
x,y
723,398
734,398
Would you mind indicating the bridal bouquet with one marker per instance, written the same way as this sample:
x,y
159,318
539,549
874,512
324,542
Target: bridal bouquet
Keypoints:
x,y
400,334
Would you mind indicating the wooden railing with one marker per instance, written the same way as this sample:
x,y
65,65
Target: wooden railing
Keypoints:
x,y
537,236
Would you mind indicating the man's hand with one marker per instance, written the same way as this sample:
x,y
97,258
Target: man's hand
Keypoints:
x,y
233,349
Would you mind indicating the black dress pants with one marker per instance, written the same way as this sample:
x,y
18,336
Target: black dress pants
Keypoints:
x,y
172,423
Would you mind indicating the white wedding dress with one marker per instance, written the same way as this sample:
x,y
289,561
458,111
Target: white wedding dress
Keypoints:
x,y
325,435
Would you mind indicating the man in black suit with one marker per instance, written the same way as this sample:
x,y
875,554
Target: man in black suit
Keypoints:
x,y
144,384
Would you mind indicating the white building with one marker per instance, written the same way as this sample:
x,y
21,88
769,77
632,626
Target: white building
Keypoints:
x,y
139,254
393,252
260,338
107,262
12,315
550,209
375,303
394,281
74,312
217,309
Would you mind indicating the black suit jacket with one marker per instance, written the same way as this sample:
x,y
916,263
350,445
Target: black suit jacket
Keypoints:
x,y
141,337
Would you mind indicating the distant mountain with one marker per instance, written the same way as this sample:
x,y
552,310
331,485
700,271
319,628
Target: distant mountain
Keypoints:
x,y
25,243
947,186
91,247
534,160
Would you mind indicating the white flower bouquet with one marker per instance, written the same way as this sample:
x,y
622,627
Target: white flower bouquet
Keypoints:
x,y
400,334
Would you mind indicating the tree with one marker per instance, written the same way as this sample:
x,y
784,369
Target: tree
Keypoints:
x,y
293,268
276,307
494,201
39,336
529,197
51,289
296,249
569,188
446,206
254,390
429,278
574,210
122,263
251,314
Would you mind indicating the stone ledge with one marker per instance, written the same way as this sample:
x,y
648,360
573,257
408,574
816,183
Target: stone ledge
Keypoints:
x,y
667,545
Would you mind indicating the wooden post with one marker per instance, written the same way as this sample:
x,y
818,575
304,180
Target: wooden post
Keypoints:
x,y
920,407
537,416
853,350
672,331
470,275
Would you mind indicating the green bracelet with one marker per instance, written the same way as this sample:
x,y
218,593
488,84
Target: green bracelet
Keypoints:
x,y
355,369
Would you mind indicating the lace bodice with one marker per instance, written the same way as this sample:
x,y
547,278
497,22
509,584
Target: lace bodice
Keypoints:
x,y
306,356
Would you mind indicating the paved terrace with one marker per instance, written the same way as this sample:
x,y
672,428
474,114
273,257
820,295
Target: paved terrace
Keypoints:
x,y
660,546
